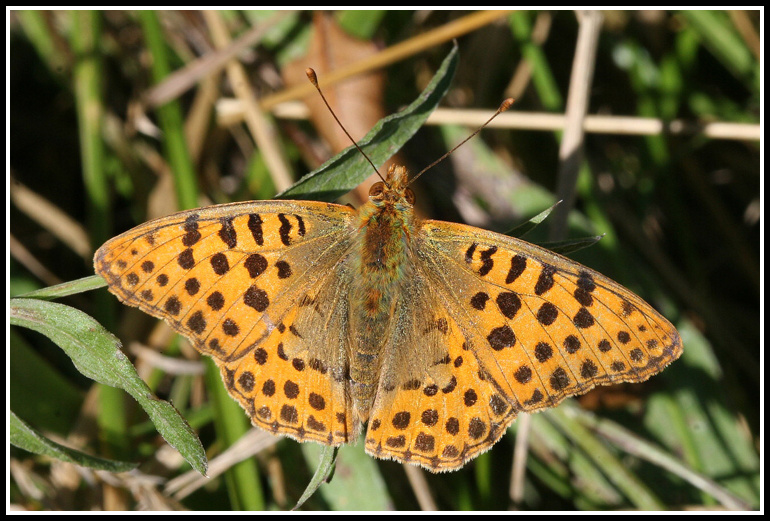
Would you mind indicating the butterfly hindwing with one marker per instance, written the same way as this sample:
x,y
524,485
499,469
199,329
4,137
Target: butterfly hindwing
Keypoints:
x,y
434,405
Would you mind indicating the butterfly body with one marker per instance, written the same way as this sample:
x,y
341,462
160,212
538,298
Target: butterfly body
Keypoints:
x,y
322,318
386,224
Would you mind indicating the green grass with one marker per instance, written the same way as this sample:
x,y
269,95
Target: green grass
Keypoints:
x,y
679,214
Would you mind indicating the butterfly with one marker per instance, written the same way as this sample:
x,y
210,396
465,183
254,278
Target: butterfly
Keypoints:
x,y
429,336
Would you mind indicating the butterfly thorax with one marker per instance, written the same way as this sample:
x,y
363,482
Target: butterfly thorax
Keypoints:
x,y
386,225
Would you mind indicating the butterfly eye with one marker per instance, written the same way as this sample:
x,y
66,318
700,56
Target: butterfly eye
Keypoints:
x,y
409,196
377,189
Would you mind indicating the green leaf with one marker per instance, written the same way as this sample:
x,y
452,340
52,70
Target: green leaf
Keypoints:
x,y
27,438
349,168
97,354
31,376
526,227
571,245
67,288
361,24
718,34
358,482
323,473
560,247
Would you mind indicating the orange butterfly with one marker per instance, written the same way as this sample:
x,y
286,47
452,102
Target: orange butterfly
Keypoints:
x,y
435,335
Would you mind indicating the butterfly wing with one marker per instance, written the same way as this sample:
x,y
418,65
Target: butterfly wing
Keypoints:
x,y
241,281
434,405
518,328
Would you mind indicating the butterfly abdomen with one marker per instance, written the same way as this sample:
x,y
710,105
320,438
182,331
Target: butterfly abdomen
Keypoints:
x,y
383,243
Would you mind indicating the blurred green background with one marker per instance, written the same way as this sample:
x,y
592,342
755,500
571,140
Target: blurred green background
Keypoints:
x,y
92,155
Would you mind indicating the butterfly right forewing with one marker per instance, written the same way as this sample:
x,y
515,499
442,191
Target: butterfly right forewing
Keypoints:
x,y
234,279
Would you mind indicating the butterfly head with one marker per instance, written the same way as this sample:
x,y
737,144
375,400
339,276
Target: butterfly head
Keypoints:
x,y
394,189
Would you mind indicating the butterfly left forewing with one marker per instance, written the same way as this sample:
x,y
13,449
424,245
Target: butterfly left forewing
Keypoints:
x,y
233,279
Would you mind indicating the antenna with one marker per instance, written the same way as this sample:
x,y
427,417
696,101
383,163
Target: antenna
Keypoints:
x,y
505,105
311,75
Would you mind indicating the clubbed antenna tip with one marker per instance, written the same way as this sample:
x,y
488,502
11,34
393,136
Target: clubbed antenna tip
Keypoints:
x,y
505,105
311,75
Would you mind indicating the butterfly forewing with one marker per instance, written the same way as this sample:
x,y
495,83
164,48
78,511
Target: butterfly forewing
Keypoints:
x,y
544,327
234,279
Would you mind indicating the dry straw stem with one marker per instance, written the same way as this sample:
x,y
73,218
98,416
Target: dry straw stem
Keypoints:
x,y
251,443
422,491
209,64
23,256
230,111
627,125
51,218
391,55
262,129
742,22
571,149
519,467
168,364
